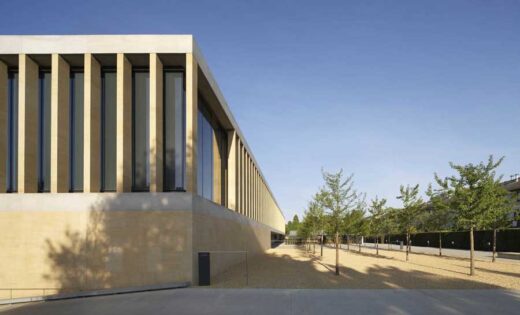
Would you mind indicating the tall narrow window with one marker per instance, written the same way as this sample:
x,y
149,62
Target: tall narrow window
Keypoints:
x,y
108,131
12,132
76,131
141,131
204,155
44,136
174,131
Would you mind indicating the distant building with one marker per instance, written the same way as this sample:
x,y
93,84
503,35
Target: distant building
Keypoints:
x,y
513,186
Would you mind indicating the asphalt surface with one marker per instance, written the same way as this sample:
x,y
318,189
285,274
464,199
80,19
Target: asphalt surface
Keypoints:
x,y
282,301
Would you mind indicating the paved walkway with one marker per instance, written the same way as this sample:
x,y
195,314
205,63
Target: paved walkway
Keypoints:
x,y
483,255
283,301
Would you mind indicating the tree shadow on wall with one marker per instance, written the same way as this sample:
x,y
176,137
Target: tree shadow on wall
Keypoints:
x,y
124,242
79,262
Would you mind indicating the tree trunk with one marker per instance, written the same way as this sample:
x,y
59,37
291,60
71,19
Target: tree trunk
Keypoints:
x,y
407,244
471,250
321,254
359,244
348,243
337,254
494,244
440,244
314,246
377,245
388,241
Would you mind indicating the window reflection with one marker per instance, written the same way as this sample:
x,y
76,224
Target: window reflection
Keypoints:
x,y
141,128
12,132
174,134
108,131
76,131
44,136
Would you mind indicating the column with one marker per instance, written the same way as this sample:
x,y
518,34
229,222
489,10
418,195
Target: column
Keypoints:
x,y
3,126
248,184
156,123
27,125
60,99
217,170
92,125
124,125
232,170
240,177
191,123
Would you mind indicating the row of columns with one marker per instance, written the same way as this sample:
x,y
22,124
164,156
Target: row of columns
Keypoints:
x,y
28,109
246,191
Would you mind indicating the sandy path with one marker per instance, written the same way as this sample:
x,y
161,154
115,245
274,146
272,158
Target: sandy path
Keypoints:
x,y
293,267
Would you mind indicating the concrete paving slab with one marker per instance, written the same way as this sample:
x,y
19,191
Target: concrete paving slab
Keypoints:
x,y
283,301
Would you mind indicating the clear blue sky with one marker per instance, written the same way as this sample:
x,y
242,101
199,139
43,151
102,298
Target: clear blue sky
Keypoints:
x,y
388,90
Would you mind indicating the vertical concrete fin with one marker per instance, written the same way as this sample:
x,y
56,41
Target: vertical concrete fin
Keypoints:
x,y
27,125
156,123
232,170
124,125
60,87
92,125
191,122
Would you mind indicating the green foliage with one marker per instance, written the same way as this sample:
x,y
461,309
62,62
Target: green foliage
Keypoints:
x,y
314,218
438,214
499,208
412,206
378,216
390,225
475,194
338,198
293,225
355,222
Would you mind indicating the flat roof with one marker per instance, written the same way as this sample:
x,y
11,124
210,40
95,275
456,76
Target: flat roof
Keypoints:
x,y
128,44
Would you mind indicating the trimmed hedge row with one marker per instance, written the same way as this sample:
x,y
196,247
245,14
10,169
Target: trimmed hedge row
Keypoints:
x,y
508,240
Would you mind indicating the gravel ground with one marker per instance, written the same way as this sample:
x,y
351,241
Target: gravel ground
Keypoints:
x,y
293,267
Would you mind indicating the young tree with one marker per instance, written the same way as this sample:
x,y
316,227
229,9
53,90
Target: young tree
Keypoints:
x,y
439,215
338,199
389,225
305,230
356,223
407,216
317,214
498,211
470,194
377,216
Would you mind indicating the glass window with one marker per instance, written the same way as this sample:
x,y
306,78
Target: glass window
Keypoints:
x,y
108,130
12,132
204,156
174,131
76,131
141,131
44,137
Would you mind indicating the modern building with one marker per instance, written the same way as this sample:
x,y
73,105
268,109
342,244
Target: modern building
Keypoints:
x,y
513,186
120,162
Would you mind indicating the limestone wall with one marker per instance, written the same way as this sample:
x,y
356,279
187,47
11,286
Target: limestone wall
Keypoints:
x,y
72,242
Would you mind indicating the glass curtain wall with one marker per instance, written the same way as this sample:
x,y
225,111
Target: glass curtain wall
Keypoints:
x,y
108,130
141,130
174,130
211,156
44,134
76,131
12,132
204,155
